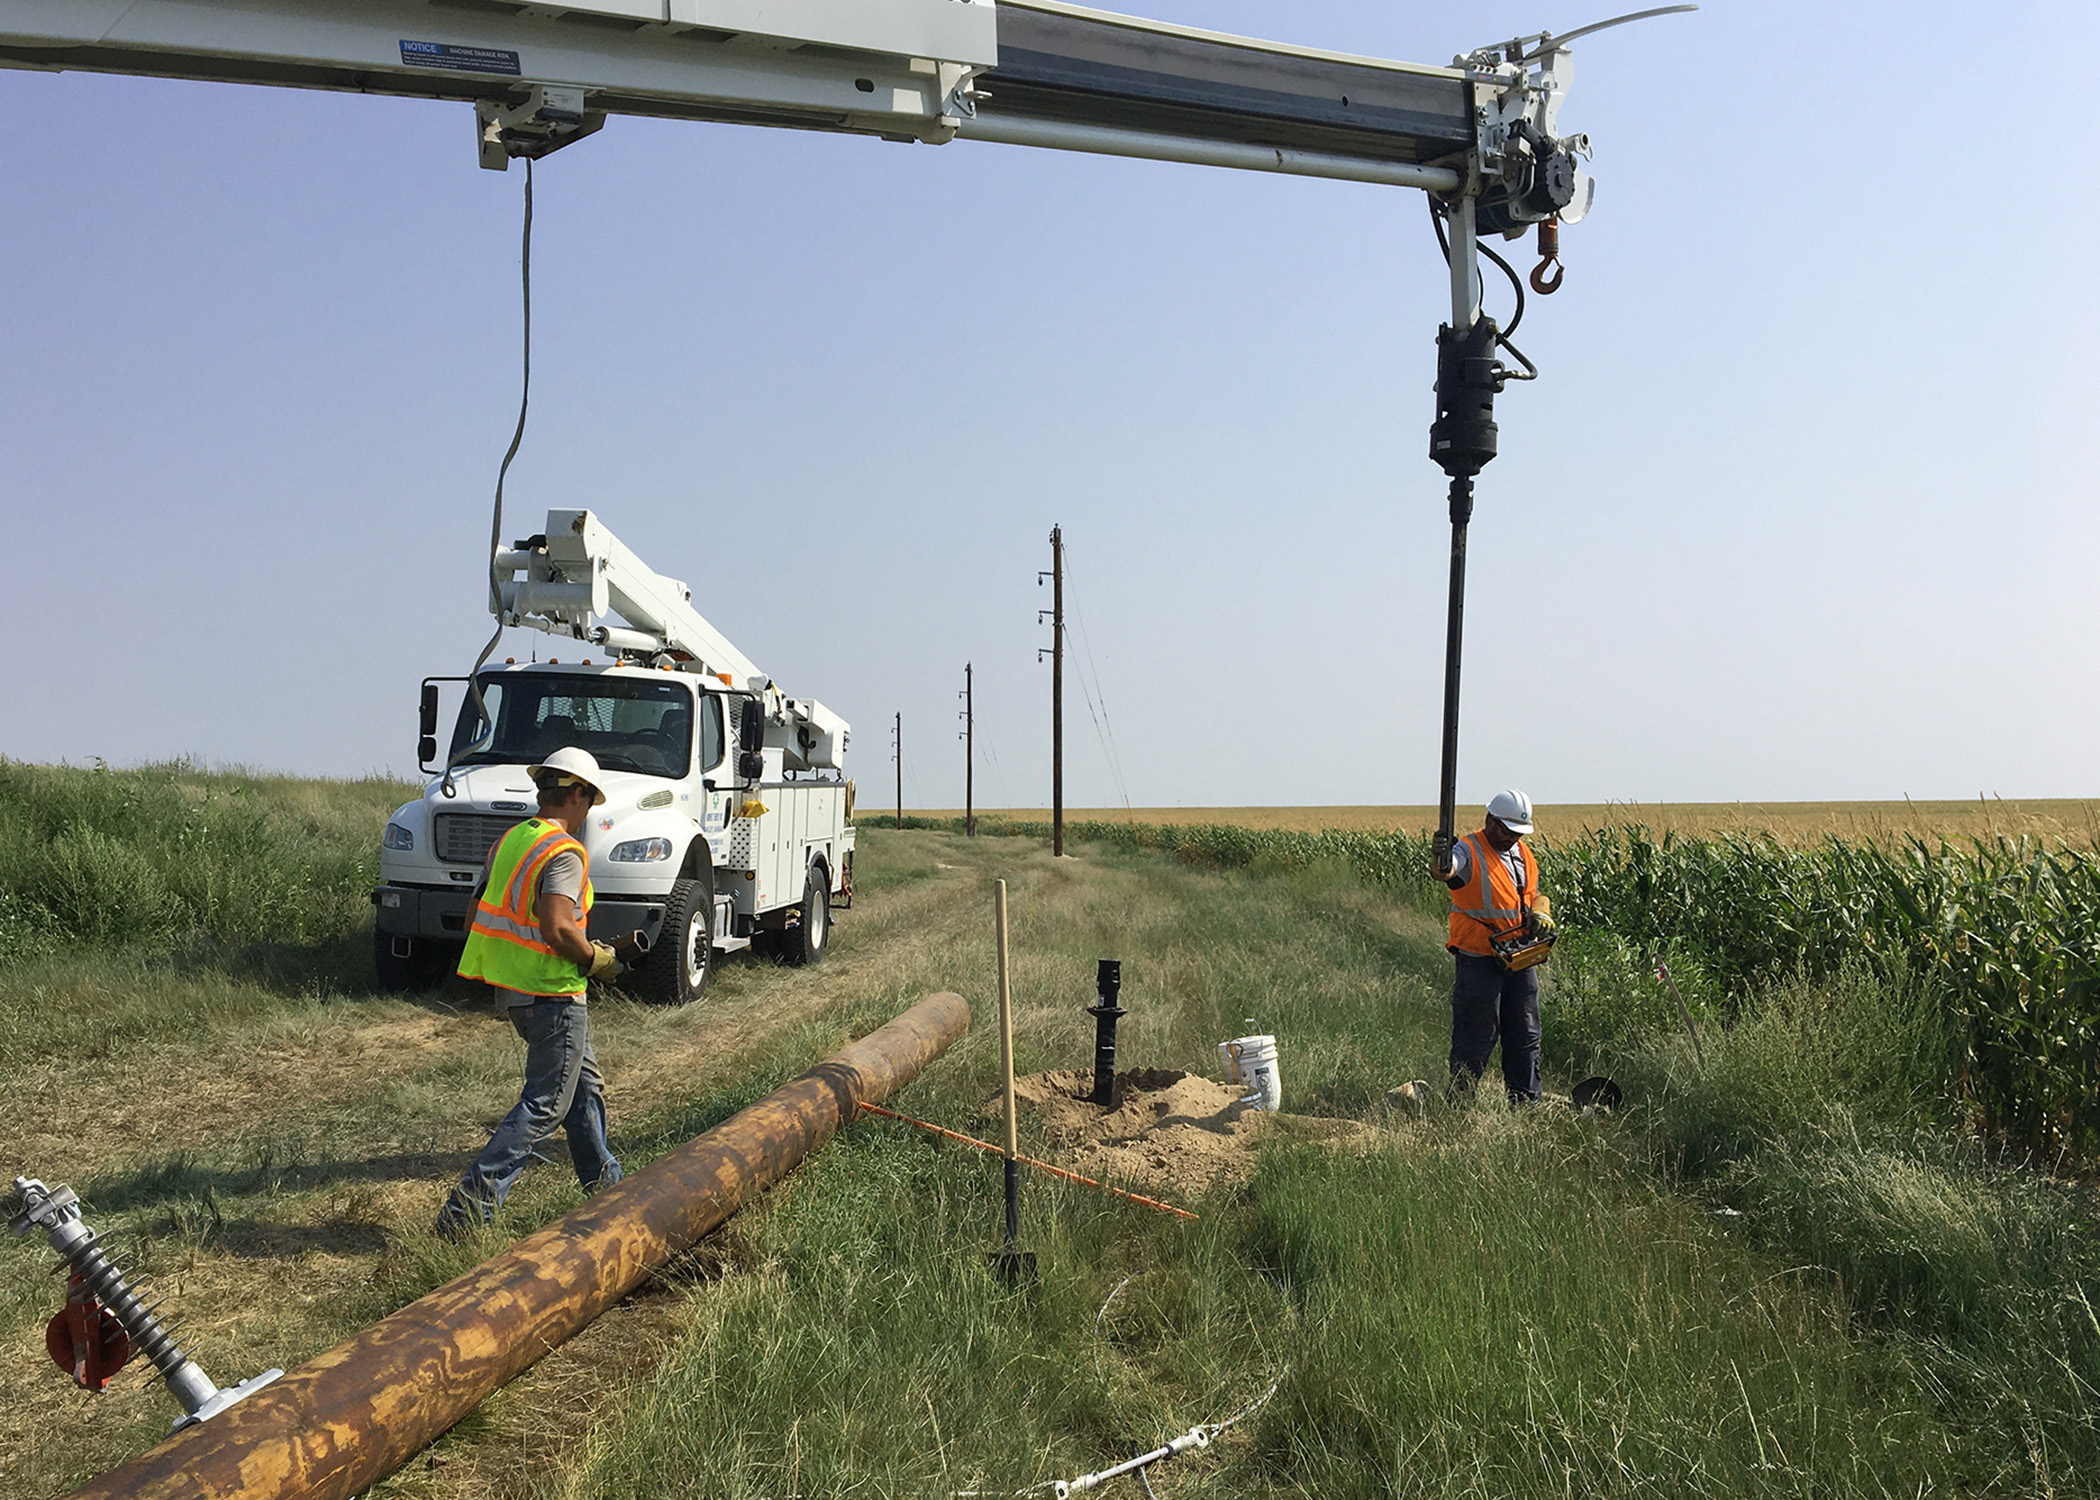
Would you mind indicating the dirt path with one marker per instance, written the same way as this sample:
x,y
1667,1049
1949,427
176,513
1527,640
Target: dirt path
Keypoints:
x,y
73,1118
271,1281
69,1118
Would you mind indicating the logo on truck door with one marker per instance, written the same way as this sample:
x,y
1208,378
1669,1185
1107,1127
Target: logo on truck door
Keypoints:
x,y
717,817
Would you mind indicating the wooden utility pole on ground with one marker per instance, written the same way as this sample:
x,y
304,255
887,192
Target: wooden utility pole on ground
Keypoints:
x,y
969,738
897,749
1056,575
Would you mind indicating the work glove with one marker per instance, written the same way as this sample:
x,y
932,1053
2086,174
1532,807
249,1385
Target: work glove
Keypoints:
x,y
604,964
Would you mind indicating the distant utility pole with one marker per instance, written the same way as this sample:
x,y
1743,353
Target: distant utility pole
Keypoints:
x,y
969,739
897,750
1056,648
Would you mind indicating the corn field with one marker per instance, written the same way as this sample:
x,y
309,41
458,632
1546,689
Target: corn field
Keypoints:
x,y
2007,930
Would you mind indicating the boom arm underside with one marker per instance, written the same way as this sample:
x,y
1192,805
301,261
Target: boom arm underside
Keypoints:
x,y
1089,70
928,70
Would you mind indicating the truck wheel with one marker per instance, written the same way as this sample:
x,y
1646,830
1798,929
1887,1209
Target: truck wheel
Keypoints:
x,y
805,942
424,967
678,967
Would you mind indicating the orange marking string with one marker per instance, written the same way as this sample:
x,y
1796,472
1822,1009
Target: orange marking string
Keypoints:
x,y
1029,1161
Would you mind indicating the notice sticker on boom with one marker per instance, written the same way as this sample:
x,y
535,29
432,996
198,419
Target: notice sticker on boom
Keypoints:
x,y
459,59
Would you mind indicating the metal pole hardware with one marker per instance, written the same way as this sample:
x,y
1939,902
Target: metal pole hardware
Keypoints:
x,y
103,1288
1108,981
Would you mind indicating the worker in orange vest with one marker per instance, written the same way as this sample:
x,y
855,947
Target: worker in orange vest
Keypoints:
x,y
1494,881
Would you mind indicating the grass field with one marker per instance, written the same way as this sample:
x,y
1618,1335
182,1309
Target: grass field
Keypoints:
x,y
2057,820
1788,1269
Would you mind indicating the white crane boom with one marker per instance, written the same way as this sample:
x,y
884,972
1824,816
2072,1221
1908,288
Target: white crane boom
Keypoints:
x,y
1481,136
578,571
1024,72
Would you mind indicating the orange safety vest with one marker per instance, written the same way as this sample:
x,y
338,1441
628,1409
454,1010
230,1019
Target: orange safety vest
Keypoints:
x,y
504,946
1489,905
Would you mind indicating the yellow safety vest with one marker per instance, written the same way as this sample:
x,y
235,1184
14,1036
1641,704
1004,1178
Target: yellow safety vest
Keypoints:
x,y
504,946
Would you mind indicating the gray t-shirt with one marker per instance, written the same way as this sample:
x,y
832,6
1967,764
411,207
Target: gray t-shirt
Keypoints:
x,y
560,876
1462,863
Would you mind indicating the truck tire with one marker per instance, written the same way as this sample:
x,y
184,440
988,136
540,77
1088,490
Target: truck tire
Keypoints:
x,y
805,942
679,966
425,966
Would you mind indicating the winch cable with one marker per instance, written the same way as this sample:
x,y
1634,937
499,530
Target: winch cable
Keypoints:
x,y
1200,1436
517,437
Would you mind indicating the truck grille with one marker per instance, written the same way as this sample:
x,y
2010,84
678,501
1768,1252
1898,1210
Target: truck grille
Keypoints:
x,y
466,838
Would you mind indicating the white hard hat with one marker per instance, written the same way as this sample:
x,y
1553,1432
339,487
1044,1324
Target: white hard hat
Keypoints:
x,y
1512,809
570,761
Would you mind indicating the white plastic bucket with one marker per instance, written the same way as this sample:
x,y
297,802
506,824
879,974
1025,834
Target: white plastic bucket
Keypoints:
x,y
1250,1062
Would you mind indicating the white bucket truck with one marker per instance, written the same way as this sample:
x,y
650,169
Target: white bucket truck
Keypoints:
x,y
727,817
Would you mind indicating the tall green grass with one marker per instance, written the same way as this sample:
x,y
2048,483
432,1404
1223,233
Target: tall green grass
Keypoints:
x,y
1486,1303
1490,1317
1503,1312
2001,931
167,855
139,907
1815,1119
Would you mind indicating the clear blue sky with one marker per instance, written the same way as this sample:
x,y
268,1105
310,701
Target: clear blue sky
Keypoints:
x,y
1802,507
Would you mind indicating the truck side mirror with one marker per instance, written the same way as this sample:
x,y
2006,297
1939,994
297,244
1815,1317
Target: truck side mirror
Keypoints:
x,y
751,740
426,728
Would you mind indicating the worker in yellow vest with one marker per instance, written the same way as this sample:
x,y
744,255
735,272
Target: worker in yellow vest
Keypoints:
x,y
529,944
1494,881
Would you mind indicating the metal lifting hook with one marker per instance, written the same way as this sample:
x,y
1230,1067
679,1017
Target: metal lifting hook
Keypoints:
x,y
1549,259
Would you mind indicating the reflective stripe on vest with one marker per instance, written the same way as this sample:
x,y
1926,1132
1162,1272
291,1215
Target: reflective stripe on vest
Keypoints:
x,y
504,946
1490,905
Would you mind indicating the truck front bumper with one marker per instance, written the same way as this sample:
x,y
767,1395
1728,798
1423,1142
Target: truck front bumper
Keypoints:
x,y
418,911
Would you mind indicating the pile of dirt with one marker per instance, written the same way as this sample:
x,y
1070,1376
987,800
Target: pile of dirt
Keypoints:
x,y
1167,1130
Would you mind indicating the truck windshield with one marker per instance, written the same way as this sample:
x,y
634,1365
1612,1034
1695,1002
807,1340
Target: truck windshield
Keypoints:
x,y
627,723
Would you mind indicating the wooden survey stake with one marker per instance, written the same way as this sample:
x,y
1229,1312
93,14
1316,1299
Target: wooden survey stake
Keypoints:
x,y
1012,1264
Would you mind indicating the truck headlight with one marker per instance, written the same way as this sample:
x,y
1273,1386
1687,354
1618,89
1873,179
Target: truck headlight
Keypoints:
x,y
397,837
641,851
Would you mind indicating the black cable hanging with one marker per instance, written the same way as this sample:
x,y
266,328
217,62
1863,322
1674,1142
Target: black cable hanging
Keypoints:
x,y
496,520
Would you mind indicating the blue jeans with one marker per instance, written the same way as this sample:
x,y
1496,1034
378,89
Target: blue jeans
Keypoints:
x,y
1488,1000
562,1088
